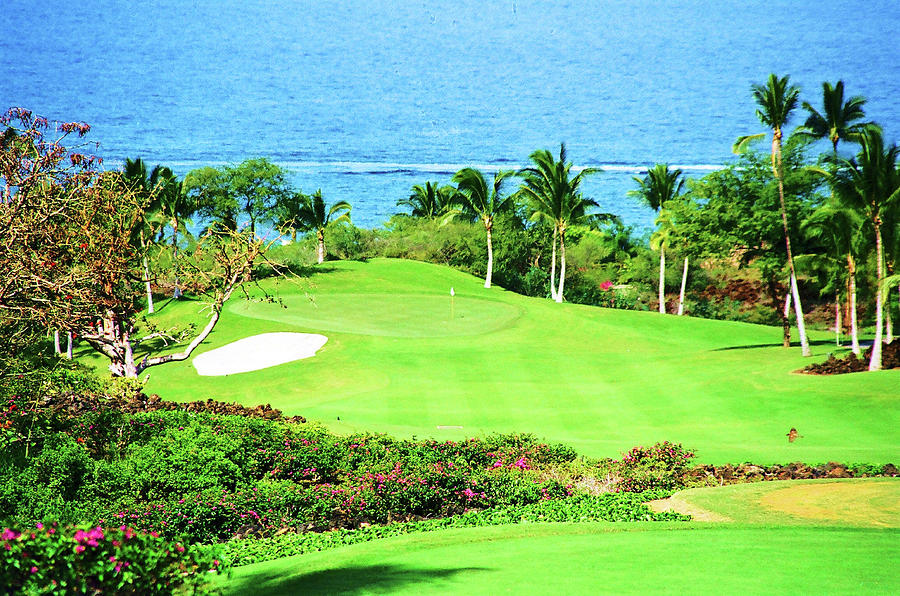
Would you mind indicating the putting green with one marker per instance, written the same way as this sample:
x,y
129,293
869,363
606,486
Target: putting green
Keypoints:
x,y
409,315
592,559
858,502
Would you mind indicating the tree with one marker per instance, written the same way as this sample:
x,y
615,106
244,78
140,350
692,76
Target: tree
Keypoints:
x,y
253,189
734,214
556,199
429,201
871,183
175,207
68,260
838,119
840,231
314,215
776,100
484,204
657,188
144,184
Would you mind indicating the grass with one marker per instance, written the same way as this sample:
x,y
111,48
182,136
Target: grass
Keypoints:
x,y
643,558
863,502
819,536
599,380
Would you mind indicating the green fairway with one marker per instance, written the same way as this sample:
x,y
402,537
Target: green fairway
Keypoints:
x,y
591,559
599,380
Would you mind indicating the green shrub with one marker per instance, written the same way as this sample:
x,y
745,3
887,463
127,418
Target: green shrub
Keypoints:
x,y
661,466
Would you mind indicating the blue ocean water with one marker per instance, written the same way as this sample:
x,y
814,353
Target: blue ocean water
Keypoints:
x,y
365,99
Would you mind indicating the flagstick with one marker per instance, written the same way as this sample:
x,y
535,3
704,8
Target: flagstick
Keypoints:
x,y
452,294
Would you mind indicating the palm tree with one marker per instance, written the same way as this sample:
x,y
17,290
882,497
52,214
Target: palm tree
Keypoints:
x,y
555,198
484,203
288,214
175,207
429,201
776,100
871,184
838,119
146,186
840,230
314,214
658,187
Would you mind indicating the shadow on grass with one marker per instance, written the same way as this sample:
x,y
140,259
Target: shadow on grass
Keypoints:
x,y
818,342
348,580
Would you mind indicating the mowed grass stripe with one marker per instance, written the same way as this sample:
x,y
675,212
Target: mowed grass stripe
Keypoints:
x,y
602,380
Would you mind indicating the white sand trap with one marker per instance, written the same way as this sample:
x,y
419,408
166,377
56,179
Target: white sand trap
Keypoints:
x,y
257,352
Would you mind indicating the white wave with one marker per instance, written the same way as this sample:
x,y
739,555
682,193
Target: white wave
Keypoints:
x,y
390,167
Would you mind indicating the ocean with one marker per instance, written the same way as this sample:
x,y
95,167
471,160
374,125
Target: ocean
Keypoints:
x,y
365,99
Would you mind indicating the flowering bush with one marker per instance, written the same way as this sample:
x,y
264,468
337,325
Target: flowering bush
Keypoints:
x,y
93,560
661,466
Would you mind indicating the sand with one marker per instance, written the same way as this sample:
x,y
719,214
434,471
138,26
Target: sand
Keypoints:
x,y
258,352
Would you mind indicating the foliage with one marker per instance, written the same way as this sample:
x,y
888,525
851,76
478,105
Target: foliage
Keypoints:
x,y
660,466
95,560
625,507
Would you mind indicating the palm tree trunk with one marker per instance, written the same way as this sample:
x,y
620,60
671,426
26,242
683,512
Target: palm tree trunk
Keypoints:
x,y
786,321
177,292
490,263
683,284
69,346
146,274
854,333
56,349
320,247
553,266
838,323
888,320
875,361
798,309
662,280
562,263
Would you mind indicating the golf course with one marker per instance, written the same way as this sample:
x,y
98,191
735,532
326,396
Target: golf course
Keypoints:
x,y
599,380
405,357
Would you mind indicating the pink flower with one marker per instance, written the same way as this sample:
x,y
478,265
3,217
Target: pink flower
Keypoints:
x,y
606,286
79,549
33,569
10,534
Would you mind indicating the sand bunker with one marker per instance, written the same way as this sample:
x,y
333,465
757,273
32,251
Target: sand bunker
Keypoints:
x,y
257,352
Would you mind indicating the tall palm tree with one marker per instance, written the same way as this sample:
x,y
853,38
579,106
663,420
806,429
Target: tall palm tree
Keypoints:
x,y
776,100
555,198
429,201
485,203
840,229
871,184
838,119
314,214
658,187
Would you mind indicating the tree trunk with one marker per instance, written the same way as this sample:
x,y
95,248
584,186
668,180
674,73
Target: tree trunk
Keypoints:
x,y
838,323
798,308
875,361
553,266
320,247
854,333
888,322
683,284
786,321
177,292
662,280
490,263
147,274
56,348
562,263
69,345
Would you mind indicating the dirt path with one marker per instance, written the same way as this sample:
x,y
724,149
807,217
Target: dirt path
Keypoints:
x,y
677,505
